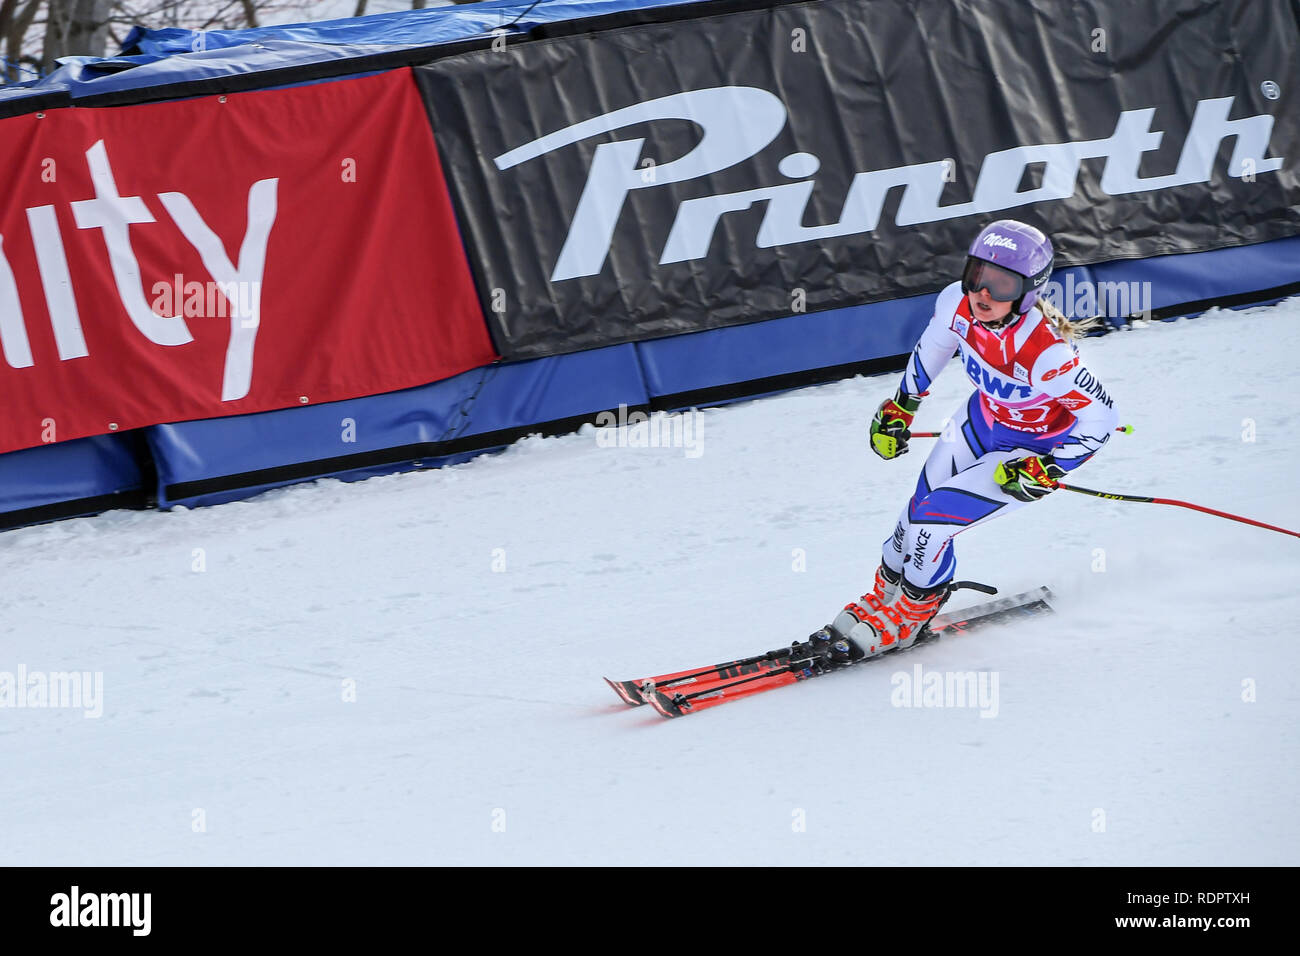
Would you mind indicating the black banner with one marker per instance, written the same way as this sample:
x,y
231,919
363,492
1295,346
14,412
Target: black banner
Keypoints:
x,y
668,178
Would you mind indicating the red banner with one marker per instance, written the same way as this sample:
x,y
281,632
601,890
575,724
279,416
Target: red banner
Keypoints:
x,y
225,255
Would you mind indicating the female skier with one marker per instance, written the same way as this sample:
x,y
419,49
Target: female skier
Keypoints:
x,y
1037,413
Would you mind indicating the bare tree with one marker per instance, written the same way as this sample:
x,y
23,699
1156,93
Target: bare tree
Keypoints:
x,y
16,18
75,27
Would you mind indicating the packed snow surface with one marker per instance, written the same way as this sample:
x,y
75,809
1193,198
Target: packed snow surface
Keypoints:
x,y
408,669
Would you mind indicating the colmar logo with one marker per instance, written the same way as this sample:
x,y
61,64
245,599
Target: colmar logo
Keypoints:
x,y
1089,383
993,239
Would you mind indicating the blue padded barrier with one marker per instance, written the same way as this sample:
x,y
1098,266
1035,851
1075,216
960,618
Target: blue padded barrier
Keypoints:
x,y
67,479
1205,277
216,460
224,459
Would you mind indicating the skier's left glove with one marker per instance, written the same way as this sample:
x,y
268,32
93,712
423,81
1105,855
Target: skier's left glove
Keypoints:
x,y
1028,479
891,424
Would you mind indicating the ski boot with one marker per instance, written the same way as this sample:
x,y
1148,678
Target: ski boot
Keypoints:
x,y
887,584
874,627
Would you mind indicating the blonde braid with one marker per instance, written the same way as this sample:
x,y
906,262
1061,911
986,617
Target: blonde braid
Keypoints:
x,y
1069,329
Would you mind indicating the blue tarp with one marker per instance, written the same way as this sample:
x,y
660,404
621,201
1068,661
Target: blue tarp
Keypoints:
x,y
85,76
404,28
157,57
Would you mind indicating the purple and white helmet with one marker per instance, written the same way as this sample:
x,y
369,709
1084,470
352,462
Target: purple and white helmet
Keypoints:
x,y
1017,248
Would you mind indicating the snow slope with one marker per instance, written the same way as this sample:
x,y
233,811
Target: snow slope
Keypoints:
x,y
474,609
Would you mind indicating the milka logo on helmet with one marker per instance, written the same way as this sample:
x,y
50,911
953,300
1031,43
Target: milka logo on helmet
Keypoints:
x,y
738,122
993,239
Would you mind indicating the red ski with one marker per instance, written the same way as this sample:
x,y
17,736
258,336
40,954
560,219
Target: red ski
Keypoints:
x,y
685,692
633,692
678,703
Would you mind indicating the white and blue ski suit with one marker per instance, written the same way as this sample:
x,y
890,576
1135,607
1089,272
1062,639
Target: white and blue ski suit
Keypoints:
x,y
1033,396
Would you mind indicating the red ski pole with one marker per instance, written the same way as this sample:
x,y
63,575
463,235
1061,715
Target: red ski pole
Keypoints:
x,y
1128,429
1180,504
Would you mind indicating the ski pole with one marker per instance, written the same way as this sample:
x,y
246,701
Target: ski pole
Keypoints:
x,y
1128,429
1181,504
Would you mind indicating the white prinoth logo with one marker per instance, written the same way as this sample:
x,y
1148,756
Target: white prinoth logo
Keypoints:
x,y
993,239
737,122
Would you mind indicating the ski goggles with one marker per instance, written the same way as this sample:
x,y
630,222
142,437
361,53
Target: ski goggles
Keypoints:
x,y
1002,284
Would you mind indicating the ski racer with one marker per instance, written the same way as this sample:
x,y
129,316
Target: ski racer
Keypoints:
x,y
1037,413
